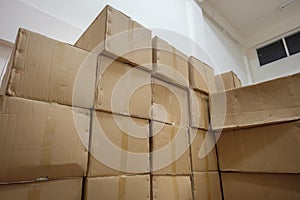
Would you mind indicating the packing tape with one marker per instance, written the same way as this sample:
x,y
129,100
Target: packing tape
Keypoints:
x,y
173,150
131,43
124,147
33,194
122,188
176,188
207,180
174,67
49,131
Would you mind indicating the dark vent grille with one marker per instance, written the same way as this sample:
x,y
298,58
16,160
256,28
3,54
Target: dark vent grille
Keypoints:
x,y
271,52
293,43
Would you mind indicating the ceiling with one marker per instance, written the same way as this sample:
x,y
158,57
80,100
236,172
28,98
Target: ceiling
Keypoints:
x,y
248,17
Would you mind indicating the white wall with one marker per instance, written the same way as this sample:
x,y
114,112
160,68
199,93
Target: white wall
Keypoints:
x,y
5,51
15,14
275,26
225,53
180,22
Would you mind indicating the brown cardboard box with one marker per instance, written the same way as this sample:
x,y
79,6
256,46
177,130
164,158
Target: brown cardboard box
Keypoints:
x,y
273,148
269,102
207,186
170,150
122,88
228,80
201,76
69,189
169,104
170,63
199,110
120,187
171,187
209,162
115,34
47,70
40,140
110,135
248,186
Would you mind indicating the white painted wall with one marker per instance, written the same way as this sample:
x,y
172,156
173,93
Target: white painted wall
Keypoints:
x,y
5,51
15,14
180,22
275,26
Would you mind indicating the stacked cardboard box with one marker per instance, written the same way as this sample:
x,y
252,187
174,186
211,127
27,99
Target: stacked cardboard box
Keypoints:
x,y
227,81
43,132
206,181
258,149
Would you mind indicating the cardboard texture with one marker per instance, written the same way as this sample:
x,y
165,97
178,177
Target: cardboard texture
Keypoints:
x,y
269,102
248,186
69,189
115,34
201,76
41,140
227,81
199,110
170,63
169,103
120,187
47,70
273,148
175,160
124,136
207,186
123,89
209,162
171,187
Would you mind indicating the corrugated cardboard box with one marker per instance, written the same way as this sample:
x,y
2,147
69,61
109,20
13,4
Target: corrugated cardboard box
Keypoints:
x,y
228,80
47,70
122,88
170,63
201,76
41,140
171,187
115,34
120,187
273,148
207,186
170,150
69,189
269,102
110,135
199,110
248,186
209,162
169,104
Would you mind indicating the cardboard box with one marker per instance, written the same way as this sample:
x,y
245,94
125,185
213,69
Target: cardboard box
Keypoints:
x,y
264,103
110,135
250,186
47,70
207,186
273,148
169,104
170,63
122,88
69,189
199,110
170,150
171,187
205,141
115,34
201,76
120,187
42,140
227,81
